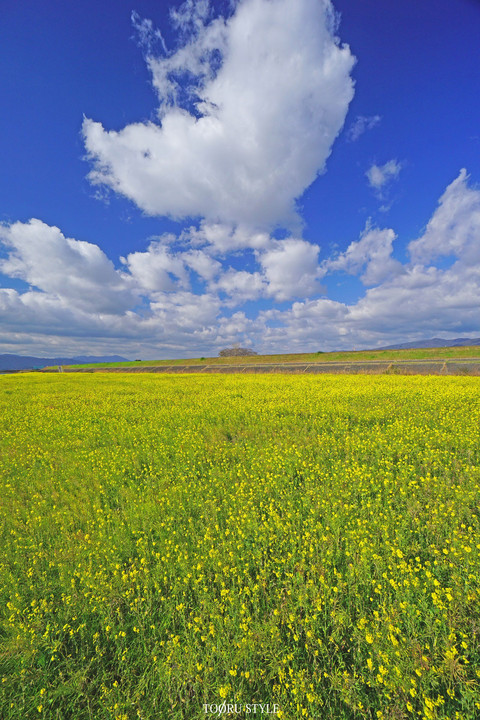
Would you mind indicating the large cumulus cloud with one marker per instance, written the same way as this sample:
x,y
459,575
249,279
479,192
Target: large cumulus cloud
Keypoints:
x,y
267,93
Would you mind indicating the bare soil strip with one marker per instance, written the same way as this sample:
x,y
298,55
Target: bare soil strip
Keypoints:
x,y
374,367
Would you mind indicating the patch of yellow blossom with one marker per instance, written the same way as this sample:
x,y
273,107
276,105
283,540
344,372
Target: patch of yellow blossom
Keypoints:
x,y
175,541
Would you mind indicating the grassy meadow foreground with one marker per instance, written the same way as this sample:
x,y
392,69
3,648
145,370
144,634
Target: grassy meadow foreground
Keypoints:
x,y
176,544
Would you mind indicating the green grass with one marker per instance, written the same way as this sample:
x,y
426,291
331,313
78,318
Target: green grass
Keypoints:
x,y
357,356
174,541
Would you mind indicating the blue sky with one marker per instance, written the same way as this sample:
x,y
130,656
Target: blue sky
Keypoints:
x,y
285,174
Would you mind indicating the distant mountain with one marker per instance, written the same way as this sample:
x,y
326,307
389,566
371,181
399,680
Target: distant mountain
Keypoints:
x,y
22,362
432,343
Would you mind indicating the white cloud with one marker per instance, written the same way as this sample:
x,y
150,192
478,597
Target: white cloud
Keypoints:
x,y
203,264
379,175
361,124
157,269
243,141
291,269
148,36
79,302
185,311
409,301
418,304
454,229
287,269
73,270
180,77
371,257
422,301
161,269
222,239
241,285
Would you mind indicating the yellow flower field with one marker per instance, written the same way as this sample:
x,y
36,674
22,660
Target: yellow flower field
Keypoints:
x,y
194,547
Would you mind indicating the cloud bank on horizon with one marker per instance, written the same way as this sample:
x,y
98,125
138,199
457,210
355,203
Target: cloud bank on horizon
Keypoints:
x,y
250,106
76,292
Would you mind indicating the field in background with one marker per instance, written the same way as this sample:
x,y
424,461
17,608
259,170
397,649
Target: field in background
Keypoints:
x,y
175,541
358,356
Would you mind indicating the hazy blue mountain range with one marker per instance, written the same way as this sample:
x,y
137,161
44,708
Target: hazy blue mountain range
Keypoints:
x,y
23,362
432,343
